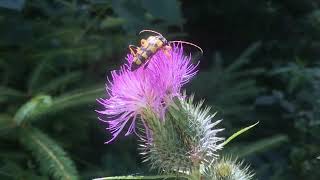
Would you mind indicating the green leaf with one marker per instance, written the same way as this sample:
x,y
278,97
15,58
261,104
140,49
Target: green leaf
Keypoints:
x,y
53,160
132,11
6,123
9,94
244,57
32,107
238,133
36,75
10,4
7,153
112,22
59,82
15,171
62,103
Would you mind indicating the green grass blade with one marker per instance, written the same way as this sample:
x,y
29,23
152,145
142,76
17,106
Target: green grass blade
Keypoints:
x,y
238,133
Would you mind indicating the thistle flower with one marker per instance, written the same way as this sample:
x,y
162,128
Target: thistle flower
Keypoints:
x,y
133,94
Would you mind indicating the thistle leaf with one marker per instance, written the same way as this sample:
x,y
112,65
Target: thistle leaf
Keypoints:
x,y
32,107
52,158
66,101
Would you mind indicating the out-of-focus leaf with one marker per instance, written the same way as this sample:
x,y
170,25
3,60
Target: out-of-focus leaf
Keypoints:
x,y
244,57
32,107
167,10
12,4
7,94
85,97
258,146
12,154
59,82
112,22
6,123
36,75
4,70
52,158
132,11
230,88
13,171
74,51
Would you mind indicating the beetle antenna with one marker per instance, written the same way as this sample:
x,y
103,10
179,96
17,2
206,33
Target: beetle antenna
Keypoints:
x,y
148,30
185,42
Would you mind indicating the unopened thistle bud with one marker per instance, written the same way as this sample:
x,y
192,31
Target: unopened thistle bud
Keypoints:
x,y
184,140
228,169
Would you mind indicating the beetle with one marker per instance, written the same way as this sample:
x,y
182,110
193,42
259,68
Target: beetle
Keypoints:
x,y
150,46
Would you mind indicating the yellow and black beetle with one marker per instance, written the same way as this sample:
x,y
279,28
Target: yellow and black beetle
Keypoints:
x,y
149,46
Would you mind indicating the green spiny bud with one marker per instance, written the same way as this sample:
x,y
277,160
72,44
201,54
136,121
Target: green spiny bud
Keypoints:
x,y
227,169
184,140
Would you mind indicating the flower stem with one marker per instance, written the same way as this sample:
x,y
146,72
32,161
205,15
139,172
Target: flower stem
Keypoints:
x,y
195,173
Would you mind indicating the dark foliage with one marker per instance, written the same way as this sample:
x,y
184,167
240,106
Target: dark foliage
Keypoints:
x,y
260,64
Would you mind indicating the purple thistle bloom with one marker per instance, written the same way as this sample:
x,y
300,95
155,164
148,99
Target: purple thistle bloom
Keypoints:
x,y
131,93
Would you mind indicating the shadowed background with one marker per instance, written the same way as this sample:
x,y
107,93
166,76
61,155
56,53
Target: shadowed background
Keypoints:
x,y
260,63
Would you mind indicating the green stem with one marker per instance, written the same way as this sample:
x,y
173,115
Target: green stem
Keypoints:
x,y
144,177
195,173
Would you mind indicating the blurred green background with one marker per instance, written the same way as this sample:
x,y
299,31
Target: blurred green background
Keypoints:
x,y
260,63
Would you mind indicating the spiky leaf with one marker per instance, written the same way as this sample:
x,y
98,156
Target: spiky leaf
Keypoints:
x,y
53,160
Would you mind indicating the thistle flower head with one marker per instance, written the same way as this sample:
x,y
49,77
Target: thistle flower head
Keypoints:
x,y
131,93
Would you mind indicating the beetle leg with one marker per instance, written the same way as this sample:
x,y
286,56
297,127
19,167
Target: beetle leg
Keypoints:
x,y
133,49
167,50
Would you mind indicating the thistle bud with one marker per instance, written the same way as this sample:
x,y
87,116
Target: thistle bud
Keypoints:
x,y
228,169
184,140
